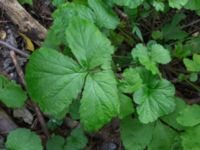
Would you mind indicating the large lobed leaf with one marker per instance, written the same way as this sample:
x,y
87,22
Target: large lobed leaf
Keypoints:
x,y
54,80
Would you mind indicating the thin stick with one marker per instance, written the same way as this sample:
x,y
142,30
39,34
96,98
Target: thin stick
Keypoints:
x,y
36,108
18,68
5,44
190,24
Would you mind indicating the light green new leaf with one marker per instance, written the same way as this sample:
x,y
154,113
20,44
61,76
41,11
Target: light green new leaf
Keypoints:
x,y
189,116
105,16
129,3
154,99
191,138
56,143
178,3
151,55
88,44
135,135
193,65
23,139
11,94
126,106
53,80
131,80
159,5
163,137
26,1
76,141
100,102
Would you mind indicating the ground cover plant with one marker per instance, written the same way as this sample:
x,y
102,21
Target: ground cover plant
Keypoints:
x,y
131,63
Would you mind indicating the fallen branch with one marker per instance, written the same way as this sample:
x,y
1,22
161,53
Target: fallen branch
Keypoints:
x,y
26,23
5,44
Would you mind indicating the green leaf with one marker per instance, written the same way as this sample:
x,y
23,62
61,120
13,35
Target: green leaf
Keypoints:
x,y
62,17
26,2
129,3
154,99
171,118
135,135
163,137
193,65
151,55
58,2
126,106
77,140
193,5
172,30
189,116
177,3
11,94
23,139
100,102
105,16
88,44
55,143
191,138
131,80
159,5
53,80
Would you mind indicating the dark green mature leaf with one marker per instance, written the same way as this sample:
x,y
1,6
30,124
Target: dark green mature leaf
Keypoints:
x,y
135,135
53,80
76,141
163,137
58,2
193,5
193,65
88,44
23,139
126,106
191,138
55,143
172,30
11,94
189,116
129,3
155,98
171,118
105,16
100,102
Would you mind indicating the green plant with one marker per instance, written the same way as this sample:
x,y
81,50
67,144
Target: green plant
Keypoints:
x,y
84,69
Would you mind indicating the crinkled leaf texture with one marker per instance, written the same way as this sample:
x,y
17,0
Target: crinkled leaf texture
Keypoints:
x,y
23,139
54,80
138,136
99,102
11,94
151,55
155,98
189,116
105,16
